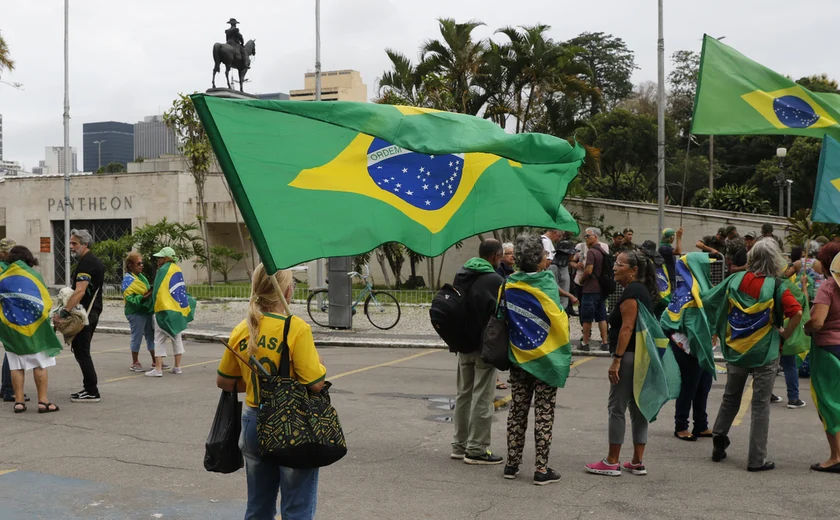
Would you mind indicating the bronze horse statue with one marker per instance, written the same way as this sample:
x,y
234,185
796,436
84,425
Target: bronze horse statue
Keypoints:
x,y
225,53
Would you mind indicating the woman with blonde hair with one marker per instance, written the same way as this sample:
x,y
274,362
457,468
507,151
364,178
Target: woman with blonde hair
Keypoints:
x,y
139,309
261,336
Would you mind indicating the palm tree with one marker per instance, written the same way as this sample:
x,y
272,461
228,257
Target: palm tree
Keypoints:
x,y
5,60
403,83
457,59
495,81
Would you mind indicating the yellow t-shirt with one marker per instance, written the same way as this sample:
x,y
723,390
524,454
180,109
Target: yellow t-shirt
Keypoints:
x,y
304,363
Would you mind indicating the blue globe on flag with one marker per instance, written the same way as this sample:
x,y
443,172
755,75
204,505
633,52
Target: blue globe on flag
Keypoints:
x,y
426,182
20,300
178,290
529,325
795,112
743,325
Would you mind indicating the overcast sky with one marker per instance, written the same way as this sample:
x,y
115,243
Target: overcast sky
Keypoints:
x,y
130,59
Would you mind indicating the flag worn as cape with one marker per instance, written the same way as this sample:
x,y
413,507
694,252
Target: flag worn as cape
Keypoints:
x,y
656,375
663,283
746,327
375,173
538,326
25,307
736,95
685,312
827,194
134,286
798,343
174,308
825,386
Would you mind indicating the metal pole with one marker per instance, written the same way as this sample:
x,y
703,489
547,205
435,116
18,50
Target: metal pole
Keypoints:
x,y
320,264
711,164
781,183
67,280
661,120
789,184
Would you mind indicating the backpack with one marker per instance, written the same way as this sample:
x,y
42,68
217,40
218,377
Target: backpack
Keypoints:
x,y
451,318
605,278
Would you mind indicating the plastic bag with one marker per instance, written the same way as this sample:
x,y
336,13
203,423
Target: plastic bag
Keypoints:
x,y
221,452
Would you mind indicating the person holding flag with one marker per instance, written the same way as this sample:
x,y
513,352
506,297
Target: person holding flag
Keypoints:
x,y
643,374
747,312
173,308
824,326
540,354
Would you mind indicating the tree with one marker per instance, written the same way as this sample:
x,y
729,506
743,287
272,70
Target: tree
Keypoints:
x,y
802,228
403,84
456,58
183,120
610,64
820,83
111,167
742,199
6,61
642,101
149,239
682,81
224,260
112,254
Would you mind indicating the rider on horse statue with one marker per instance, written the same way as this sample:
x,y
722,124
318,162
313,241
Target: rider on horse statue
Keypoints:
x,y
234,38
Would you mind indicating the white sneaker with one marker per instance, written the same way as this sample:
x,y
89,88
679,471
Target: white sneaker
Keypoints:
x,y
176,370
154,373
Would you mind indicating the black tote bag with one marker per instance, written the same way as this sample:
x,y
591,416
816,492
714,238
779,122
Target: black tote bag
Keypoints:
x,y
496,338
221,452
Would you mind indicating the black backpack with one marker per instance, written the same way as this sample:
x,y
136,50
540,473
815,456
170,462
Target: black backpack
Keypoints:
x,y
605,277
451,318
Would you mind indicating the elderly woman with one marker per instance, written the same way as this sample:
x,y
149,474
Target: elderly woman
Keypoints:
x,y
505,268
824,326
747,312
636,273
139,309
536,321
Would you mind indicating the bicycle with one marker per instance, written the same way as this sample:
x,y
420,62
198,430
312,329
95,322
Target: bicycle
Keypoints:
x,y
381,308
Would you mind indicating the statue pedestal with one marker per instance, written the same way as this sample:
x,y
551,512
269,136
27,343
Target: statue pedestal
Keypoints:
x,y
229,93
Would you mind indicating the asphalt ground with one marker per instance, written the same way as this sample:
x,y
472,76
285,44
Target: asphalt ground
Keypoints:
x,y
139,453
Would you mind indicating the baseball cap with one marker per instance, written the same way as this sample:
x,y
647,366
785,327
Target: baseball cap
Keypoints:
x,y
166,252
729,229
749,234
566,246
6,245
721,231
628,230
668,232
618,234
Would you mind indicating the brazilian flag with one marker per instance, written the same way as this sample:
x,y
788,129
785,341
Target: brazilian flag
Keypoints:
x,y
373,173
174,308
663,283
25,305
736,95
798,343
134,286
538,326
746,326
686,314
825,386
656,375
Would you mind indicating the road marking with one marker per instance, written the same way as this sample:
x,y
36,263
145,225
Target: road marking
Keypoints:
x,y
394,362
582,361
498,403
748,394
92,353
6,471
114,380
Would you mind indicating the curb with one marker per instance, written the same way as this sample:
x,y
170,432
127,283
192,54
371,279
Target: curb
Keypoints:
x,y
349,342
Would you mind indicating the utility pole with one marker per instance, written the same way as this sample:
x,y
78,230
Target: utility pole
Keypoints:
x,y
711,164
320,264
661,121
99,143
67,280
781,153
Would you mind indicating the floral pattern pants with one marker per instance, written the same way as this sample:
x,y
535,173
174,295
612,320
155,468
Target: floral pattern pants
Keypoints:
x,y
525,387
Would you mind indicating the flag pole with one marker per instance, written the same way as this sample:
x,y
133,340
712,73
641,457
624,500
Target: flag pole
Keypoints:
x,y
661,120
320,264
685,177
282,296
67,280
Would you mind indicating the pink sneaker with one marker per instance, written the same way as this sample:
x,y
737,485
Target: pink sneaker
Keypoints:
x,y
136,367
602,467
636,469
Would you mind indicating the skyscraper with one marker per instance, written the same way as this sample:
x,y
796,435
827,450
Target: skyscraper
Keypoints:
x,y
152,138
113,140
53,162
1,137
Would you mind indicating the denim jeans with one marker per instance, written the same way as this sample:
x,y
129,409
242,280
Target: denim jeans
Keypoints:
x,y
791,376
141,326
694,393
592,308
6,389
298,487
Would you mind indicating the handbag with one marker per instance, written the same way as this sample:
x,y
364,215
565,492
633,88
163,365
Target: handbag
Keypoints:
x,y
221,451
495,342
70,327
296,428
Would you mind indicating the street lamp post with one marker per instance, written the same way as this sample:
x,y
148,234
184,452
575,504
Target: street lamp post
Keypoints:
x,y
789,205
661,120
66,142
99,143
781,153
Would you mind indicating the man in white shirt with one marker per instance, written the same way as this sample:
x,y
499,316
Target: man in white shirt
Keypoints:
x,y
548,238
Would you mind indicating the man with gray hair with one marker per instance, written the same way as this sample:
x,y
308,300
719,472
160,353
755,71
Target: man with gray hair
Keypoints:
x,y
592,305
87,281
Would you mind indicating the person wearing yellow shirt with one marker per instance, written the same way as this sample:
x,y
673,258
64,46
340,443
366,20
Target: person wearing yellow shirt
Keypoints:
x,y
261,335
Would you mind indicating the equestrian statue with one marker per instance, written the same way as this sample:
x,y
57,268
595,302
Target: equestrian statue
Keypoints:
x,y
234,53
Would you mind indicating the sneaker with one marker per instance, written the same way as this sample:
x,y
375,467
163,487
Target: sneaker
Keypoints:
x,y
84,397
636,469
164,366
584,347
511,472
719,443
176,370
483,459
767,466
603,467
457,456
797,403
136,367
605,347
775,398
154,373
541,479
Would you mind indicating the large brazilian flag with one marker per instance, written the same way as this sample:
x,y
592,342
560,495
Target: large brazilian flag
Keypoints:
x,y
656,375
825,386
538,326
316,180
174,308
25,305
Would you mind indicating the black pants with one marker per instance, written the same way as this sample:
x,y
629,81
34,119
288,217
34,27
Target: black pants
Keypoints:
x,y
81,350
696,384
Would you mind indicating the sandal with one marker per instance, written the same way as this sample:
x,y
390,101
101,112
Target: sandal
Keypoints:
x,y
21,409
689,437
46,407
501,386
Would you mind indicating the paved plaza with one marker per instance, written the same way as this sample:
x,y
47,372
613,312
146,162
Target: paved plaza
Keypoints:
x,y
139,453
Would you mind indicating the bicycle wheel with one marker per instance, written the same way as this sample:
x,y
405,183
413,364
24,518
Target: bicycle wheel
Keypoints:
x,y
382,310
318,307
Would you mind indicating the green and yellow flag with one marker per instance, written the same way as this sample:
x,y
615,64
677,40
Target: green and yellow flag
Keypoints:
x,y
827,195
315,180
538,326
134,286
736,95
174,308
656,375
825,386
25,308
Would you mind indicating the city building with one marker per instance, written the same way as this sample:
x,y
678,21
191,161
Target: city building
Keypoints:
x,y
10,168
106,142
41,169
152,138
1,137
336,85
274,95
53,162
